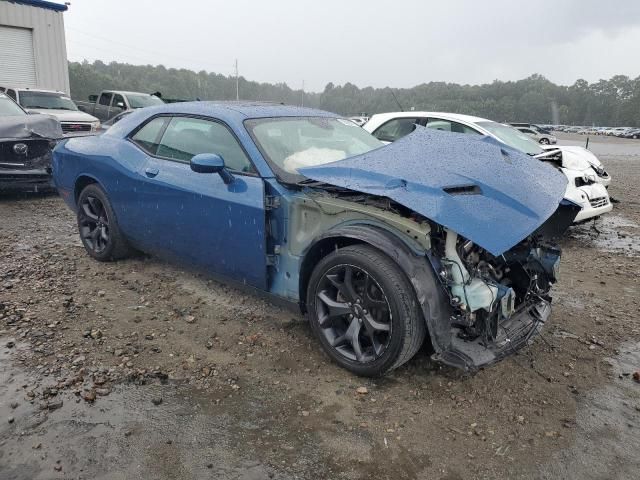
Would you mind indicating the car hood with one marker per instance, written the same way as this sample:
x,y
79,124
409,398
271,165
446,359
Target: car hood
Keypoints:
x,y
65,115
29,126
575,157
483,190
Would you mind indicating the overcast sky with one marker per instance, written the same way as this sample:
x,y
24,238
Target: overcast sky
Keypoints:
x,y
398,43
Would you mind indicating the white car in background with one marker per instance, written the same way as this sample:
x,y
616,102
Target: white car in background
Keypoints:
x,y
542,138
587,179
57,104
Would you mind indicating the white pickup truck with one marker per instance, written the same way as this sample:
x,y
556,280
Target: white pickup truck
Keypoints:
x,y
57,104
113,102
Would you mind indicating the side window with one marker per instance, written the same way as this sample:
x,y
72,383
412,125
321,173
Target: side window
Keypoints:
x,y
449,126
105,99
12,94
186,137
117,98
395,129
148,137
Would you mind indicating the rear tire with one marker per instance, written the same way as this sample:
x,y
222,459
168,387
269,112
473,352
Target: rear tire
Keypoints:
x,y
98,227
363,310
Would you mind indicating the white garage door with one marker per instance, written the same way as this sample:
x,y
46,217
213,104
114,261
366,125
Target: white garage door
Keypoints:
x,y
17,64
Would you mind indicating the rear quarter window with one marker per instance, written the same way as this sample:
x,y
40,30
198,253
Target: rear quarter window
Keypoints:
x,y
148,136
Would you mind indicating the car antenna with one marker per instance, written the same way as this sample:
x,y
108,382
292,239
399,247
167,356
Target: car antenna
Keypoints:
x,y
396,99
587,145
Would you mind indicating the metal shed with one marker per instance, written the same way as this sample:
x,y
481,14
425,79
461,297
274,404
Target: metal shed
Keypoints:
x,y
33,51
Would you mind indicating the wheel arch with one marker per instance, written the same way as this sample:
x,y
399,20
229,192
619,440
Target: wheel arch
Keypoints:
x,y
411,259
81,182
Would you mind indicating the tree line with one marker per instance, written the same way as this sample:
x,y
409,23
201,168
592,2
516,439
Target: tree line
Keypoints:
x,y
612,102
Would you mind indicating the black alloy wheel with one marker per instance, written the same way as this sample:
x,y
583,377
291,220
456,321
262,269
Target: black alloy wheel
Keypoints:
x,y
353,313
94,224
99,230
363,310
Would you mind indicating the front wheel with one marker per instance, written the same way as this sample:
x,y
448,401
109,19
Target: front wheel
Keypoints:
x,y
544,141
364,311
98,227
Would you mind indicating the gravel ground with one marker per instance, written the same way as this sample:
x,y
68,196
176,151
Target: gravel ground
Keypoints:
x,y
138,369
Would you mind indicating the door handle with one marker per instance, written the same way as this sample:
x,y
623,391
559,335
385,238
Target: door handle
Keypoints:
x,y
151,172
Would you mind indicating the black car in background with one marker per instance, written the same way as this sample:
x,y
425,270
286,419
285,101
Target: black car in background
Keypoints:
x,y
633,133
26,143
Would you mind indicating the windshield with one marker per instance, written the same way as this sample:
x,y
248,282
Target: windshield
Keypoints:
x,y
290,143
141,101
512,137
8,108
46,100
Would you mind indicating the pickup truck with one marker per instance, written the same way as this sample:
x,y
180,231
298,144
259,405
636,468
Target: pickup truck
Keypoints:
x,y
112,102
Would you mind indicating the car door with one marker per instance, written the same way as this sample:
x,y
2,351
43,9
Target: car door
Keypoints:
x,y
197,218
101,109
118,105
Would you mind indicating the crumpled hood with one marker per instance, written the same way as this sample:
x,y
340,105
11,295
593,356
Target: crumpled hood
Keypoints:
x,y
575,157
483,190
29,126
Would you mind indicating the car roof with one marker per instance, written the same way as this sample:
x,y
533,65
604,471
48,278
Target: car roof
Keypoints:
x,y
30,89
232,113
450,116
126,92
241,109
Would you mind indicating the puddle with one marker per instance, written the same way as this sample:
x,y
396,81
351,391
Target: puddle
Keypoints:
x,y
611,233
607,435
124,435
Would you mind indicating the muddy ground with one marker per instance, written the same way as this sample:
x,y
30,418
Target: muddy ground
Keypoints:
x,y
138,369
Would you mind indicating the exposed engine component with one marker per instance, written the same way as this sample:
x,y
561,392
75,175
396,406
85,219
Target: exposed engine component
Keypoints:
x,y
486,291
469,293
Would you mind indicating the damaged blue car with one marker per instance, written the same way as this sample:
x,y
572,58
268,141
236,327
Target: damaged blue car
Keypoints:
x,y
437,235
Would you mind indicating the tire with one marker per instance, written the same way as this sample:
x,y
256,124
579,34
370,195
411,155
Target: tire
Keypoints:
x,y
378,304
544,141
98,227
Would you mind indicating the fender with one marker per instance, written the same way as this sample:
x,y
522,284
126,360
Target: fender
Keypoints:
x,y
413,261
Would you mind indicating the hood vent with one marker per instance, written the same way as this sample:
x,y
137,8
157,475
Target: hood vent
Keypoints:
x,y
463,190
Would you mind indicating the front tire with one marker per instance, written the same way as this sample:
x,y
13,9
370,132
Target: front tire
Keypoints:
x,y
544,141
98,227
363,310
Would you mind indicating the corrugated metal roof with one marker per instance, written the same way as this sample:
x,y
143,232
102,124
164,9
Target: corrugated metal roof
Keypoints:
x,y
43,4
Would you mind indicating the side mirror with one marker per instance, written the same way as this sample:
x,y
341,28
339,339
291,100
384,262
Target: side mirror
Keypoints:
x,y
120,105
211,163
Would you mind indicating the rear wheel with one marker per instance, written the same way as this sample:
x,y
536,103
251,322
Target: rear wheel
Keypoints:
x,y
363,310
98,227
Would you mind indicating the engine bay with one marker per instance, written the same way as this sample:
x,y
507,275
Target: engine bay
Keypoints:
x,y
487,291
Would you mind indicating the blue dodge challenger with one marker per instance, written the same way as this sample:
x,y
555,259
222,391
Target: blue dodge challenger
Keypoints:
x,y
438,234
